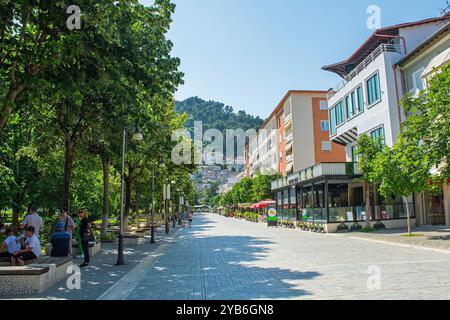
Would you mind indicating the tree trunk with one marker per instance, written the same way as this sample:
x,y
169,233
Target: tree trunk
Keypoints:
x,y
367,204
126,213
136,209
106,162
68,166
408,216
15,219
147,211
6,110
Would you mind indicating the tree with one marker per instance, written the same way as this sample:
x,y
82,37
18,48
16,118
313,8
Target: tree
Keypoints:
x,y
422,145
262,187
428,122
368,150
402,172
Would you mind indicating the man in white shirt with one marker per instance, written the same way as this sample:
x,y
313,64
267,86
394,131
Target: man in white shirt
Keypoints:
x,y
32,250
10,244
32,220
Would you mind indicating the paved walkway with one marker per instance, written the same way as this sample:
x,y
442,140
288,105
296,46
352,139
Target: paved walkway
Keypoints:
x,y
435,238
224,258
102,272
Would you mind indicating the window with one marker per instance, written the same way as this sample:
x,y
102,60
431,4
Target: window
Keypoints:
x,y
349,107
417,79
324,125
373,89
333,121
378,135
354,103
326,146
340,116
359,95
324,105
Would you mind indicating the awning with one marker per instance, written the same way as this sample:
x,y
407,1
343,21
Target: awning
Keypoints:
x,y
436,63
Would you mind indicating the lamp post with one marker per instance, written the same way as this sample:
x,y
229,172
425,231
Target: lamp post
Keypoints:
x,y
173,207
137,136
152,227
166,206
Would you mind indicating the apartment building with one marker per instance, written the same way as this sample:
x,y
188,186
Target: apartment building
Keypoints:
x,y
365,102
367,99
295,136
417,69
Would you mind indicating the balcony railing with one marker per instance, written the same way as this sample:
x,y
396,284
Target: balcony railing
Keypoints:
x,y
289,158
363,65
319,170
289,137
288,120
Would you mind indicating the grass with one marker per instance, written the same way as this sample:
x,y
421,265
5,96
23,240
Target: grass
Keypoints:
x,y
368,230
412,235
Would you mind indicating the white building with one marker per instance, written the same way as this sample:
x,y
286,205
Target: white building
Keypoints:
x,y
367,100
263,151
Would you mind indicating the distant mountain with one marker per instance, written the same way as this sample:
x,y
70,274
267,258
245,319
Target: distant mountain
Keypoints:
x,y
216,115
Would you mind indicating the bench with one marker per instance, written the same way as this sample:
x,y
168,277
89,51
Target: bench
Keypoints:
x,y
130,240
94,248
36,277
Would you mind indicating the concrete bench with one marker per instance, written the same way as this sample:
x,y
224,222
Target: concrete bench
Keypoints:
x,y
36,277
94,248
130,240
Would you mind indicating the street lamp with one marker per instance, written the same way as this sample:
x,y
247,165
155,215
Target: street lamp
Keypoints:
x,y
137,136
166,194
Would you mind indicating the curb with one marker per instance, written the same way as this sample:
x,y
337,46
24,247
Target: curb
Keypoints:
x,y
401,244
122,288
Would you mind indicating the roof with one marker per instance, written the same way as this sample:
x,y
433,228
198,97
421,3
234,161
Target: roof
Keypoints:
x,y
286,96
440,34
380,36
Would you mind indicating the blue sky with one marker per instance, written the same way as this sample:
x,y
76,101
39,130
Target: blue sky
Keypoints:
x,y
249,53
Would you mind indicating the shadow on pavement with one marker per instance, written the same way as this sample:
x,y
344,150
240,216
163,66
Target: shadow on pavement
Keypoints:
x,y
201,266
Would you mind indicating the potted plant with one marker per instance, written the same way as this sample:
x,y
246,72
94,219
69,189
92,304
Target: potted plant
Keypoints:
x,y
108,238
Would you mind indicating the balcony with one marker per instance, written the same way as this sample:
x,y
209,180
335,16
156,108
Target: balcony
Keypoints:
x,y
383,48
288,137
319,170
289,158
288,121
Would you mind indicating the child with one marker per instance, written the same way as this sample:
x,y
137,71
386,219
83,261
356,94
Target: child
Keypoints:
x,y
10,244
32,250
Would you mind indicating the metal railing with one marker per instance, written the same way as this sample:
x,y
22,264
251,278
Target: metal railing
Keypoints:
x,y
319,170
363,65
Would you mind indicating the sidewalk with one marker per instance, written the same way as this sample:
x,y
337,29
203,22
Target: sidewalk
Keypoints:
x,y
435,238
102,272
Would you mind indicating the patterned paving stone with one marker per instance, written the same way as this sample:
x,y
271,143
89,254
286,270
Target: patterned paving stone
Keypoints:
x,y
225,259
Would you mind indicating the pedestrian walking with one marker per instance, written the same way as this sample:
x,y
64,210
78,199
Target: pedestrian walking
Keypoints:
x,y
86,236
190,218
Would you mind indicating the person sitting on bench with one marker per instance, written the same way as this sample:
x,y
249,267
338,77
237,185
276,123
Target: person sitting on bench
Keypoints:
x,y
11,244
32,249
61,241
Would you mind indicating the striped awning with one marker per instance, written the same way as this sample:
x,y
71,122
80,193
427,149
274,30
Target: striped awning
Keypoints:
x,y
348,137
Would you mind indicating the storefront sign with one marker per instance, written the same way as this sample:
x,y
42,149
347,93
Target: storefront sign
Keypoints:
x,y
272,218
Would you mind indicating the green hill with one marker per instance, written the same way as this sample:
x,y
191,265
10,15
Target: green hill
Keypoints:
x,y
216,115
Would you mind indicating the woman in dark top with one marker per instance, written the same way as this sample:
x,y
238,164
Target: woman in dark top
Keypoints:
x,y
85,228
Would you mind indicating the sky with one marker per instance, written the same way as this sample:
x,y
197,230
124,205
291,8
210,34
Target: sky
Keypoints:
x,y
249,53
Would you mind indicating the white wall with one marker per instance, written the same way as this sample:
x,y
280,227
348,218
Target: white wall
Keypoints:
x,y
383,113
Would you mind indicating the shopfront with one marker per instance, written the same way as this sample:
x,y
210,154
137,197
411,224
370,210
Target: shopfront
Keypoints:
x,y
335,199
432,207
